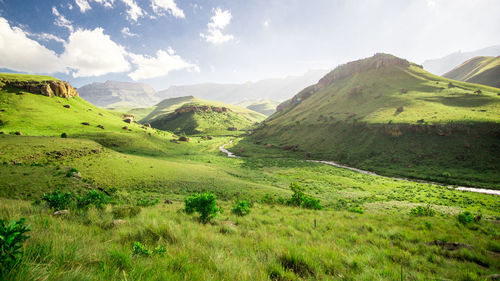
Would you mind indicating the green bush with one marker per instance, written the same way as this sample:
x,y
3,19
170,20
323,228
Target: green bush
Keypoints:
x,y
145,202
300,199
204,203
242,208
120,212
58,200
140,250
420,211
465,217
12,236
356,209
93,197
71,172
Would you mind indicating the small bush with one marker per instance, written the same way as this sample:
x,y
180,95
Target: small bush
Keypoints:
x,y
204,203
141,250
120,212
12,236
465,217
420,211
356,209
242,208
93,197
300,199
71,172
58,200
144,202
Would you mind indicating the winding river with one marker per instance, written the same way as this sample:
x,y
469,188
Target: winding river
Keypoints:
x,y
331,163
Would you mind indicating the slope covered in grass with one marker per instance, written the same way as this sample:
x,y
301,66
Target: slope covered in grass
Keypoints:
x,y
388,115
264,106
480,70
195,116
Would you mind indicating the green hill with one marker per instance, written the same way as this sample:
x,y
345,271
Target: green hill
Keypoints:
x,y
480,70
388,115
191,115
264,106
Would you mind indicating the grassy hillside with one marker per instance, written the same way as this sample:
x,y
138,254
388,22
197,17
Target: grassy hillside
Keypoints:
x,y
480,70
264,106
195,116
364,231
24,77
388,115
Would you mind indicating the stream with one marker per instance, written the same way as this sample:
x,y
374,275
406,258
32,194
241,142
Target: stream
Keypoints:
x,y
331,163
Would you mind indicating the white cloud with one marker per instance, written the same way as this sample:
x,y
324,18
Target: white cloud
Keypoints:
x,y
93,53
83,5
134,12
127,33
217,23
161,65
46,37
61,20
265,23
159,6
106,3
70,6
20,53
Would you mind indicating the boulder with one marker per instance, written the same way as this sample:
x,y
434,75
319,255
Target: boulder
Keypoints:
x,y
168,202
183,138
67,106
64,135
269,145
232,129
100,126
86,123
18,133
60,213
125,128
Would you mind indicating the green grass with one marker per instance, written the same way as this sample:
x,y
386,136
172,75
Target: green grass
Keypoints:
x,y
480,70
264,106
364,232
24,77
446,134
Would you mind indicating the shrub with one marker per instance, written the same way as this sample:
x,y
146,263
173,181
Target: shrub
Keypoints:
x,y
120,212
93,197
12,236
71,172
140,250
420,211
356,209
58,200
311,203
144,202
300,199
242,208
204,203
465,217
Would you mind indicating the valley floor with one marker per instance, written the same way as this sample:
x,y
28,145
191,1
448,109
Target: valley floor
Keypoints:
x,y
364,232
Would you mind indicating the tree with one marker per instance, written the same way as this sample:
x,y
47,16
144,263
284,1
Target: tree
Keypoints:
x,y
205,204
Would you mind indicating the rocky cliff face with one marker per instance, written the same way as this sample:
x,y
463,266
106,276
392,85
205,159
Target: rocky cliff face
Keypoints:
x,y
47,88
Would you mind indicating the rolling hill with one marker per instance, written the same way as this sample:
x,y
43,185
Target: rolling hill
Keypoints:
x,y
190,115
443,65
264,106
388,115
479,70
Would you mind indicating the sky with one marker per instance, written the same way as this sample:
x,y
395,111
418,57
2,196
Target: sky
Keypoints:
x,y
177,42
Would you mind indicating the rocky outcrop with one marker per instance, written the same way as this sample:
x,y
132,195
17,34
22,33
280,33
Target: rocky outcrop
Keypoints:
x,y
47,88
201,108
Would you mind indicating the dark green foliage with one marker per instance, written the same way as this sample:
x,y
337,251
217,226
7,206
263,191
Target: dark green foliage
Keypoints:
x,y
64,135
241,208
12,236
93,197
420,211
203,203
300,199
141,250
145,202
465,217
120,212
356,209
297,265
58,200
71,172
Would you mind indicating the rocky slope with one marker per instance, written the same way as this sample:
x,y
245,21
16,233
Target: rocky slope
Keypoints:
x,y
47,88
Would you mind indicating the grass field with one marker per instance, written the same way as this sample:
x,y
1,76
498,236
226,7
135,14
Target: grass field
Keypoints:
x,y
364,231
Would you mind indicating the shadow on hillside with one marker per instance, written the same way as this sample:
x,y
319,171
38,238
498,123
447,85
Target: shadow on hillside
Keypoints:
x,y
462,100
